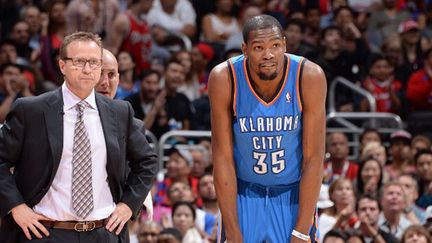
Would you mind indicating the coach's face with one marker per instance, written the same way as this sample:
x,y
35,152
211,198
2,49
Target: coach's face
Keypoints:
x,y
265,52
82,67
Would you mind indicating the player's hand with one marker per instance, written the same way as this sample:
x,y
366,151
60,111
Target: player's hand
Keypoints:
x,y
28,220
121,215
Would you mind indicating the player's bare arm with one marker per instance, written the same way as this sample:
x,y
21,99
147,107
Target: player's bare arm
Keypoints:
x,y
222,147
314,89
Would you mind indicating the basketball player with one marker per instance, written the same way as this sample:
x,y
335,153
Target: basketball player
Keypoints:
x,y
268,137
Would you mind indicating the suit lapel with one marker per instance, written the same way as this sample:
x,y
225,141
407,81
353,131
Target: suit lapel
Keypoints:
x,y
109,125
54,126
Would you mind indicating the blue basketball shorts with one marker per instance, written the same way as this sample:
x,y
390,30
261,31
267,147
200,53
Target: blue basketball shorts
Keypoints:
x,y
267,214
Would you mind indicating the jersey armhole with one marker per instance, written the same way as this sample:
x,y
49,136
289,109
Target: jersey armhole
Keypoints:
x,y
233,89
299,83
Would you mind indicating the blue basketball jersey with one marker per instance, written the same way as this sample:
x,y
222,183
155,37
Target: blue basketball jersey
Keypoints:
x,y
267,135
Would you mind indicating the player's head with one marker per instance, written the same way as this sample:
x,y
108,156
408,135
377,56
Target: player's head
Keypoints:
x,y
264,46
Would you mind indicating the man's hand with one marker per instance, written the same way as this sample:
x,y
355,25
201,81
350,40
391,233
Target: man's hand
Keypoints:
x,y
121,215
28,220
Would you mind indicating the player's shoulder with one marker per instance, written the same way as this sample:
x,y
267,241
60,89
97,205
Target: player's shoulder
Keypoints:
x,y
220,71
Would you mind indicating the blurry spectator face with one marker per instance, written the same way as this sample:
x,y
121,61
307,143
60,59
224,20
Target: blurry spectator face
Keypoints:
x,y
400,150
250,12
183,219
419,145
109,79
371,136
338,146
198,59
177,166
21,33
8,53
150,87
225,6
343,193
368,210
379,154
206,188
424,167
410,188
313,18
411,36
343,18
125,62
32,17
389,3
167,238
414,236
334,239
174,76
11,75
381,70
57,13
293,35
371,172
332,40
185,59
392,50
146,5
354,239
148,232
180,191
392,199
168,5
199,163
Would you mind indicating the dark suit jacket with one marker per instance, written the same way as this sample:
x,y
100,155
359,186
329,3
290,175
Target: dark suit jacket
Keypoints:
x,y
31,140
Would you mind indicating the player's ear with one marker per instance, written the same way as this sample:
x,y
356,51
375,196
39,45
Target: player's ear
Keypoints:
x,y
244,47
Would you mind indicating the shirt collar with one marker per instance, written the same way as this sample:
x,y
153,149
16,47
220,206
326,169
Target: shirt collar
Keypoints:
x,y
70,99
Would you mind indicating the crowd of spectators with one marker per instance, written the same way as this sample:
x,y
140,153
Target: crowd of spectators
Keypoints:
x,y
165,50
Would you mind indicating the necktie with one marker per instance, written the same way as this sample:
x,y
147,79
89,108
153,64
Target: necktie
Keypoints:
x,y
82,190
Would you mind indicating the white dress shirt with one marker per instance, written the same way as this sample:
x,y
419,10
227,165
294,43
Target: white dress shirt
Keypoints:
x,y
57,202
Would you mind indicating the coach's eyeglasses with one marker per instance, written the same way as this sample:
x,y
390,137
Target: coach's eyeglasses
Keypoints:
x,y
81,62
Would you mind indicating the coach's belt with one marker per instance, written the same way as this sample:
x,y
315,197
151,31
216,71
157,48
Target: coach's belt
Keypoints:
x,y
79,226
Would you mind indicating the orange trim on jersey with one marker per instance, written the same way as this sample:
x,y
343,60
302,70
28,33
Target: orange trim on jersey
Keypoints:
x,y
219,234
234,87
280,90
297,84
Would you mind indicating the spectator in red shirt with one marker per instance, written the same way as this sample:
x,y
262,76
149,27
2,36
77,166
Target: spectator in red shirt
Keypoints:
x,y
382,85
419,90
338,164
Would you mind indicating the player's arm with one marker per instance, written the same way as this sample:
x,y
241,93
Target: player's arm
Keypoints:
x,y
118,32
222,147
314,89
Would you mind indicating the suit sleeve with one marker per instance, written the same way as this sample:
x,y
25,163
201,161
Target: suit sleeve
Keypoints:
x,y
11,137
143,166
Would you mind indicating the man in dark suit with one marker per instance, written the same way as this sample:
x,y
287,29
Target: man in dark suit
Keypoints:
x,y
69,149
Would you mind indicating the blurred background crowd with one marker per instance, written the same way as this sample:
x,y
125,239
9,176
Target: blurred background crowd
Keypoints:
x,y
377,57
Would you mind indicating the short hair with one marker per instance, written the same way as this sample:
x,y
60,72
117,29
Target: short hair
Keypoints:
x,y
149,72
79,36
338,10
336,233
369,130
172,231
420,153
369,197
171,61
418,138
8,42
389,184
374,58
184,203
328,29
419,230
413,177
260,22
9,64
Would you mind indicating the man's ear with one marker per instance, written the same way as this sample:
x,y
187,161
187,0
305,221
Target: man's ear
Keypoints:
x,y
244,47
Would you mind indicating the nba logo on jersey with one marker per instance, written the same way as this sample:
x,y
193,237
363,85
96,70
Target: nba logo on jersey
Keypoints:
x,y
288,97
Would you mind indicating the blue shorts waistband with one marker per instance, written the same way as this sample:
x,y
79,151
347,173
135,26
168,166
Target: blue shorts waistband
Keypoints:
x,y
262,188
